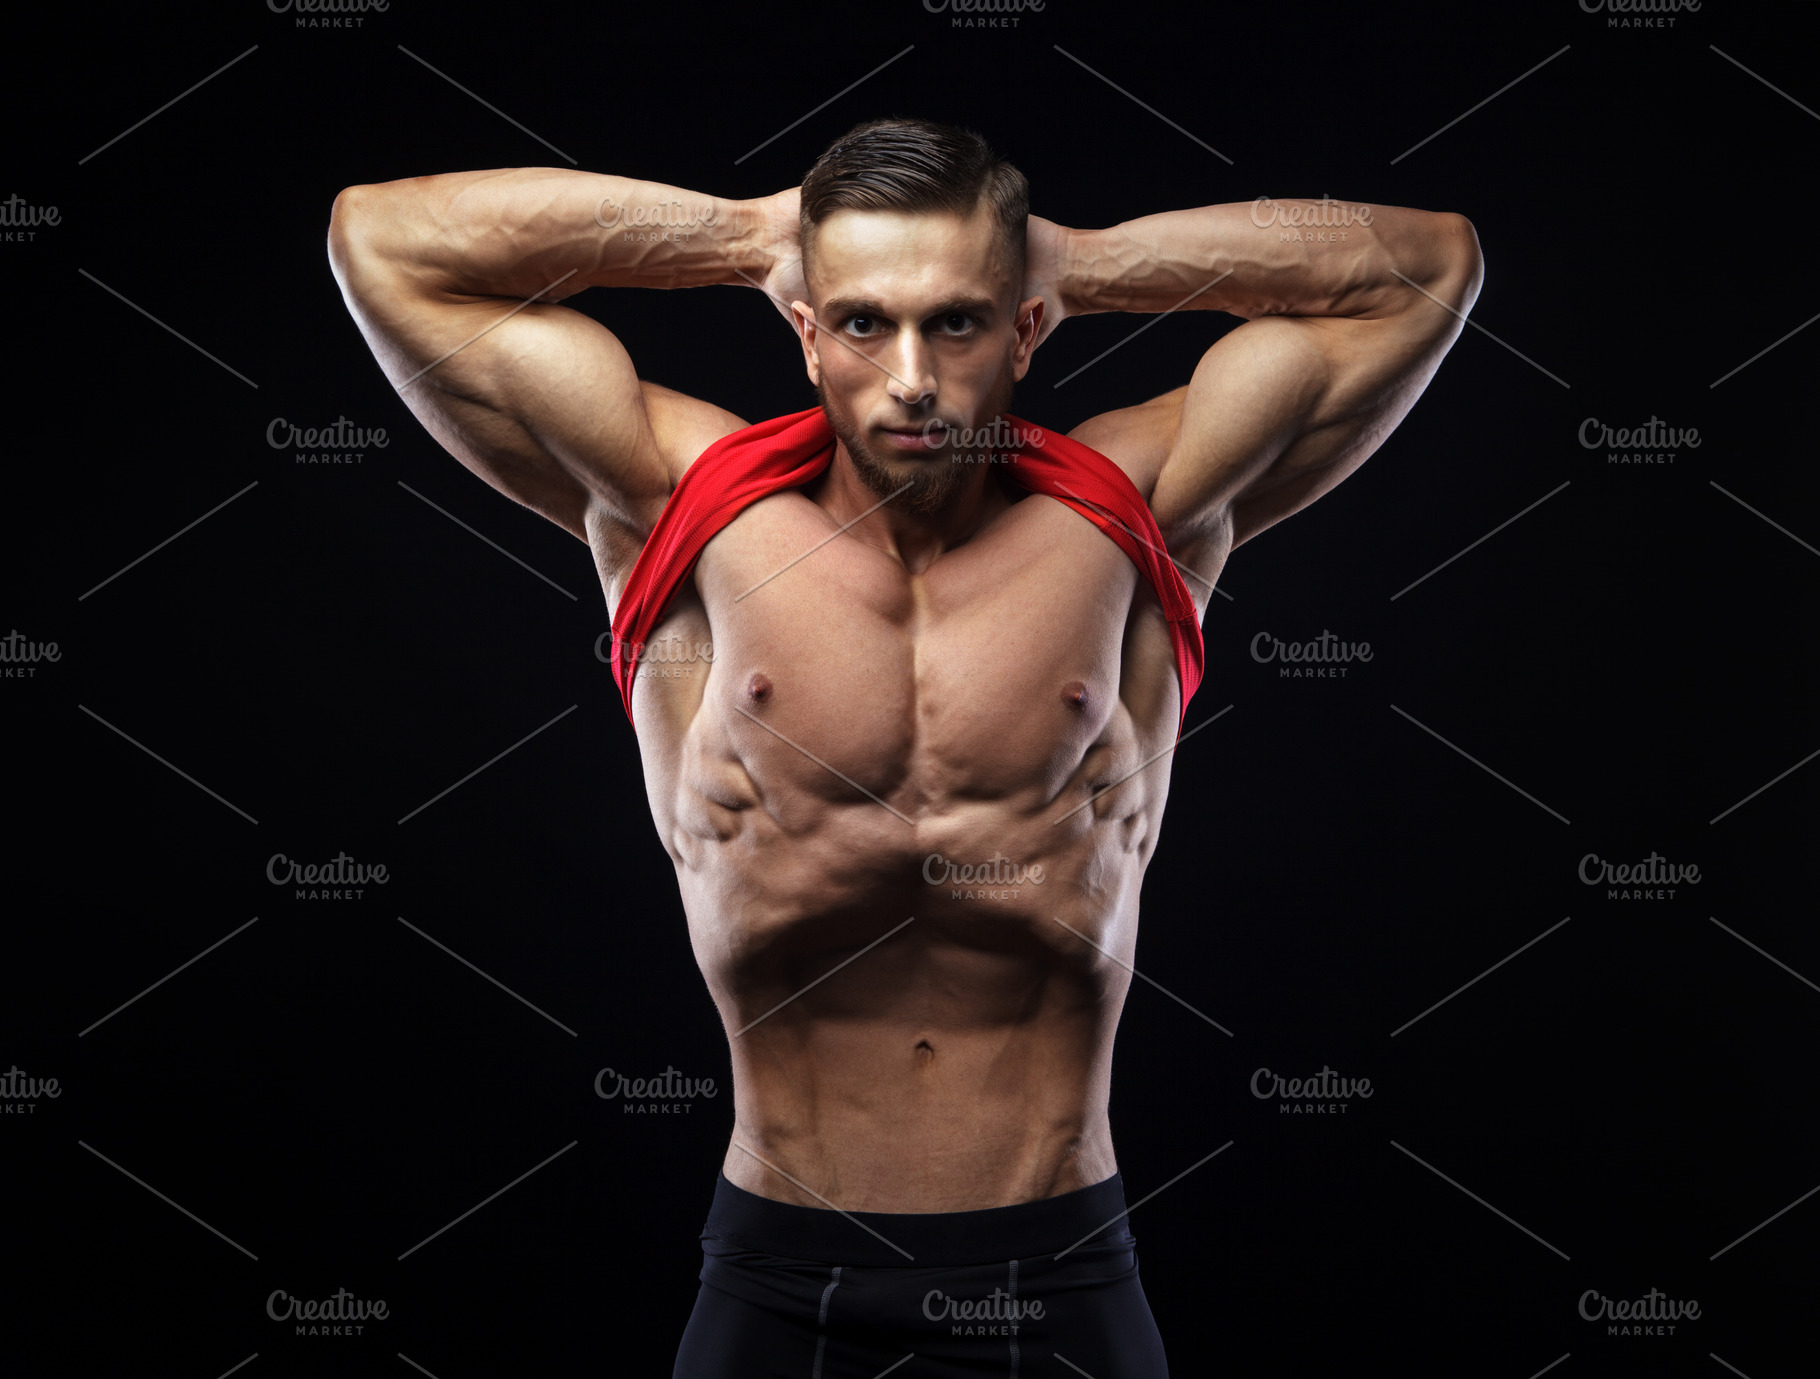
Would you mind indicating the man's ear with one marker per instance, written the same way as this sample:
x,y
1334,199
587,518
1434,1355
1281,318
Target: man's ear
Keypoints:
x,y
1027,333
802,316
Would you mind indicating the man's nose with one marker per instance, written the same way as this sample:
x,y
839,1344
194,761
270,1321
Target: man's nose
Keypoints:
x,y
910,370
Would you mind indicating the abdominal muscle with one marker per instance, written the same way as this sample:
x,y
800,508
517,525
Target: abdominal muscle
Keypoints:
x,y
908,1036
961,1063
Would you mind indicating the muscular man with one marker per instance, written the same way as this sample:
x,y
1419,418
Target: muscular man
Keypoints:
x,y
923,660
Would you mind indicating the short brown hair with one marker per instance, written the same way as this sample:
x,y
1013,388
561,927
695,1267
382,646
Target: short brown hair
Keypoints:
x,y
918,166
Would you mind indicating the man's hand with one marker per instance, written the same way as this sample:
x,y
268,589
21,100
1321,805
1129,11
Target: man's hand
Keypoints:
x,y
780,237
1045,258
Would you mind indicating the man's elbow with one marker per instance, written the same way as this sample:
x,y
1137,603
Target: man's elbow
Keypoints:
x,y
350,223
1459,262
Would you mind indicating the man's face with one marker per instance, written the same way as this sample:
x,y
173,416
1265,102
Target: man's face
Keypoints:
x,y
916,332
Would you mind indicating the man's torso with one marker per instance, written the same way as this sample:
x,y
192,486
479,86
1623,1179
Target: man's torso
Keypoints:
x,y
842,747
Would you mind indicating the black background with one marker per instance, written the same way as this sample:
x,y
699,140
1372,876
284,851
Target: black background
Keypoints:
x,y
327,652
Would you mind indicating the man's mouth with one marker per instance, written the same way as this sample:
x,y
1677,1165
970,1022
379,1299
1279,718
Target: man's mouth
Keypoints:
x,y
912,439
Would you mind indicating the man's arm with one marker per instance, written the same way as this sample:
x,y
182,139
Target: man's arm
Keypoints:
x,y
1339,342
542,402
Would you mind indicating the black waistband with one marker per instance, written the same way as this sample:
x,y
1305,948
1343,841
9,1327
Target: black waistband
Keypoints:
x,y
1089,1219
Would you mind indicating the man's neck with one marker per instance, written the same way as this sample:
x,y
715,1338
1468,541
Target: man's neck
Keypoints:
x,y
914,539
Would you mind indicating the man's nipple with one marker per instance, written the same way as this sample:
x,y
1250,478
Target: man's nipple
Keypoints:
x,y
1075,695
758,689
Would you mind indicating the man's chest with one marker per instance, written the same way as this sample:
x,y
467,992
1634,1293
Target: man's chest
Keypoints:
x,y
992,670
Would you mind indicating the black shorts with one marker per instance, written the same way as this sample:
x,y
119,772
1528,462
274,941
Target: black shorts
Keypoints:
x,y
792,1292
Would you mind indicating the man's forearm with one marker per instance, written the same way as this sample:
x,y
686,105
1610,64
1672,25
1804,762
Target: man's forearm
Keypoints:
x,y
514,232
1294,258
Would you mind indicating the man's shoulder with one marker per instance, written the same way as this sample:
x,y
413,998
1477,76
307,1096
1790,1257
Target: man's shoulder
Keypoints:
x,y
685,426
1137,439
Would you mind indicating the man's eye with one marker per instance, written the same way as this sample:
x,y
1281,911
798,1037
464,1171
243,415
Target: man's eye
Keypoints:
x,y
955,321
860,325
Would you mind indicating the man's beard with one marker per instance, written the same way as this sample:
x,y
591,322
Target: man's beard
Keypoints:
x,y
933,482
